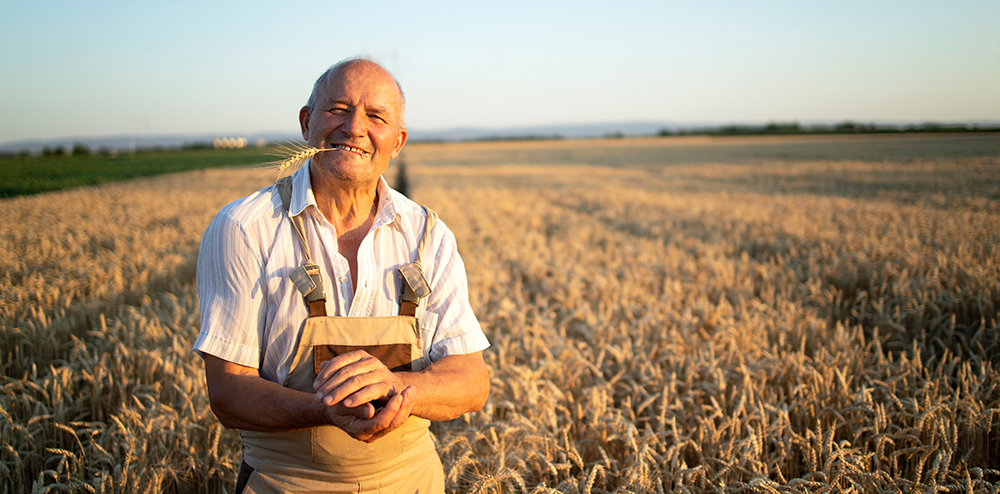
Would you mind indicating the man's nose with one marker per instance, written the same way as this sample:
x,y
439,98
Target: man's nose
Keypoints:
x,y
355,126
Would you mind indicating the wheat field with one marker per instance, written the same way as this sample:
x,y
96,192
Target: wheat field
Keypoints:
x,y
666,315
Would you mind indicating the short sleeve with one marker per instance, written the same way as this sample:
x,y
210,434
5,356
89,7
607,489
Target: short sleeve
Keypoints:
x,y
457,331
231,292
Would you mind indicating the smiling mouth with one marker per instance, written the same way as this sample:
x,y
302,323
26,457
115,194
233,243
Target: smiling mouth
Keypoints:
x,y
350,149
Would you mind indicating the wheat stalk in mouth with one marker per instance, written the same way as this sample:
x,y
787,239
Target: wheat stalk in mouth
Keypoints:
x,y
293,154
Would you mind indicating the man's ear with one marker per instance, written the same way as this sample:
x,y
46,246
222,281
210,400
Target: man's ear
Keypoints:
x,y
400,141
304,115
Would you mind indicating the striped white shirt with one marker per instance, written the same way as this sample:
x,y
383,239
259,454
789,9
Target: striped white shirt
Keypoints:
x,y
252,314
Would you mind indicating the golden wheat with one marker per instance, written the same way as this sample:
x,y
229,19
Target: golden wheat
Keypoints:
x,y
292,155
782,326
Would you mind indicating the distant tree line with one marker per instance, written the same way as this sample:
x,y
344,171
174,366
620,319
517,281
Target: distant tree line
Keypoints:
x,y
81,149
846,127
78,149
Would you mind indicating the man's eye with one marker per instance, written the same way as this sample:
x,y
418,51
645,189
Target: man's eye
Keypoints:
x,y
375,116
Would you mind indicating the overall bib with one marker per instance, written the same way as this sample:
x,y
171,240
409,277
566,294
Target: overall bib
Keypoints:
x,y
325,458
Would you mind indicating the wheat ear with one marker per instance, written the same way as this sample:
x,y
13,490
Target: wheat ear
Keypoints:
x,y
293,154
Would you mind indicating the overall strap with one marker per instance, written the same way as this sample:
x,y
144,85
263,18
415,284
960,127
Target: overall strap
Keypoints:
x,y
307,277
415,286
309,281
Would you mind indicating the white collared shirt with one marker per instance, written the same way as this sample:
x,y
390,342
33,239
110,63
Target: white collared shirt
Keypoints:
x,y
249,304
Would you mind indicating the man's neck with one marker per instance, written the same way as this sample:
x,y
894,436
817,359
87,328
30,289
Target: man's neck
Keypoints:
x,y
346,205
351,209
347,210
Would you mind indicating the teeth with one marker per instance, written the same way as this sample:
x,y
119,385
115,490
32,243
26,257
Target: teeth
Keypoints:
x,y
348,148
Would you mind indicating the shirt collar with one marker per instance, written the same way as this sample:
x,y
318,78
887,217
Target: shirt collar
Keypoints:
x,y
386,211
302,193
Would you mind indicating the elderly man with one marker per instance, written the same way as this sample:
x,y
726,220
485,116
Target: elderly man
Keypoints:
x,y
335,319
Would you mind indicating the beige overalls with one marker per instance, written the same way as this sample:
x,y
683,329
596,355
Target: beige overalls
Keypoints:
x,y
325,458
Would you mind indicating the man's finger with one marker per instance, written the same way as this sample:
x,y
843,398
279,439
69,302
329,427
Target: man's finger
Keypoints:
x,y
384,417
386,420
367,378
338,364
361,388
377,391
374,392
363,411
359,422
409,397
334,374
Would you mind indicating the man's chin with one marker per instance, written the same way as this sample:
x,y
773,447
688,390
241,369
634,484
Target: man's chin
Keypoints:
x,y
350,171
342,160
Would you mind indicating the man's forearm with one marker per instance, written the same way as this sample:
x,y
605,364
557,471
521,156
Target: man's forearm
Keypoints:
x,y
450,387
241,399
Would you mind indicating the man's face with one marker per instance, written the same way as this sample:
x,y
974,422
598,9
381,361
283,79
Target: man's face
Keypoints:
x,y
358,115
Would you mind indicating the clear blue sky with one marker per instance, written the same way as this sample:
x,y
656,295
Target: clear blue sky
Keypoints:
x,y
102,68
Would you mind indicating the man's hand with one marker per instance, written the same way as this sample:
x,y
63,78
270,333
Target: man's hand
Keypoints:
x,y
359,423
363,397
354,379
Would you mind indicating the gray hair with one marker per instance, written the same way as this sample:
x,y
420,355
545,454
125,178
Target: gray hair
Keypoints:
x,y
327,76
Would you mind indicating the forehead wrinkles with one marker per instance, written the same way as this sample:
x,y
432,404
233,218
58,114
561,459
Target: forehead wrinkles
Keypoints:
x,y
369,101
359,85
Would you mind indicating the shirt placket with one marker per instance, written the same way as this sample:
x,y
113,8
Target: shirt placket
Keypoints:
x,y
364,294
336,271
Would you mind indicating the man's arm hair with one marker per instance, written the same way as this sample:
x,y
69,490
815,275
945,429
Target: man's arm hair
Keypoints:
x,y
444,390
241,399
450,387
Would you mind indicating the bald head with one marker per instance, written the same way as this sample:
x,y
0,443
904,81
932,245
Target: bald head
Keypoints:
x,y
324,81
